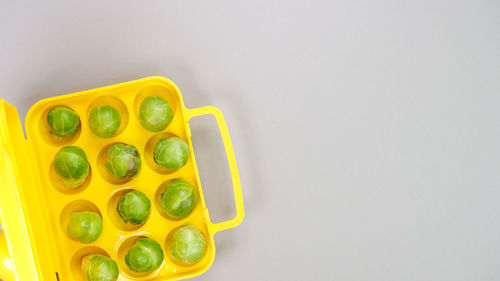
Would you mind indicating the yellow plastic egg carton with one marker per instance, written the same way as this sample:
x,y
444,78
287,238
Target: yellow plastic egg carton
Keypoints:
x,y
35,205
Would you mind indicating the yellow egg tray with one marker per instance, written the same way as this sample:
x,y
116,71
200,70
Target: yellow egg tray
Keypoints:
x,y
35,205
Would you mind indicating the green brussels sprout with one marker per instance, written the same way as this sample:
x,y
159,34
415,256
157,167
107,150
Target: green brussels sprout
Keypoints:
x,y
63,121
71,165
99,268
171,153
85,226
189,245
179,199
155,114
144,256
104,121
123,161
134,207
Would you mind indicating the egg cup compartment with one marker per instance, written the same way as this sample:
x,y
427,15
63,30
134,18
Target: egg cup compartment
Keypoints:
x,y
58,183
150,148
75,207
168,245
113,215
102,158
116,103
157,199
123,248
76,261
44,132
167,92
101,190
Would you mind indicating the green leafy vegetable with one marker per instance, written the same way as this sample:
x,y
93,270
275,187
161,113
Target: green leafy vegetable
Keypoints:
x,y
145,255
85,226
179,199
134,207
104,121
189,245
71,165
63,121
155,114
171,153
99,268
123,161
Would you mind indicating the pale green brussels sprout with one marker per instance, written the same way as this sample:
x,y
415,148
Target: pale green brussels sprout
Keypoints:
x,y
189,245
63,121
134,207
179,199
123,161
144,256
171,153
71,165
155,114
99,268
85,226
104,121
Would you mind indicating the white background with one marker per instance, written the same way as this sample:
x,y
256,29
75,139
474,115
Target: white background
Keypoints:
x,y
367,132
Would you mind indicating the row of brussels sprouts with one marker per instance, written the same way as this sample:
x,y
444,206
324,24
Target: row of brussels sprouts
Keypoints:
x,y
155,115
146,255
178,200
124,162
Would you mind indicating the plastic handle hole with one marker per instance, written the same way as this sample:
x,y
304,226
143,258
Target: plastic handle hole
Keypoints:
x,y
213,168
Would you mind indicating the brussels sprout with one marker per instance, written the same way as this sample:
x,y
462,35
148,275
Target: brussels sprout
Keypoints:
x,y
63,121
155,114
123,161
71,166
179,199
99,268
134,207
145,255
189,245
171,153
104,121
85,226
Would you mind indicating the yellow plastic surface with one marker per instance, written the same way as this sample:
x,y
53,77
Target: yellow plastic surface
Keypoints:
x,y
20,212
6,265
101,191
